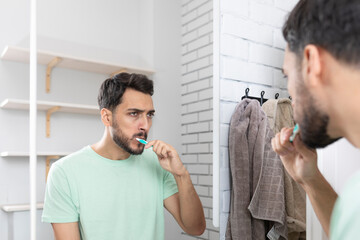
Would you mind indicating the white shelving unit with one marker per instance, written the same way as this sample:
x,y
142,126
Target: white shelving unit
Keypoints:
x,y
45,106
50,108
18,54
20,207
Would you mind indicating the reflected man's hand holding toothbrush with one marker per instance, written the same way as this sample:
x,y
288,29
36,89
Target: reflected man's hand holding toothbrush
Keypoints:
x,y
299,160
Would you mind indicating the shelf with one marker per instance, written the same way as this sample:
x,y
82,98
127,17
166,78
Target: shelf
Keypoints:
x,y
27,154
20,207
48,155
18,54
50,108
45,106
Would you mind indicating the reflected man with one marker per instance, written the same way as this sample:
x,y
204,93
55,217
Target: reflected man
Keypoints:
x,y
117,188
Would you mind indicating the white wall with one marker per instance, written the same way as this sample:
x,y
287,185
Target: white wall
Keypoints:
x,y
196,102
140,33
120,31
251,50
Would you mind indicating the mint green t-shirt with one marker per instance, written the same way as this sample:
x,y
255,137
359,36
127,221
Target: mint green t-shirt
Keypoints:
x,y
110,199
345,219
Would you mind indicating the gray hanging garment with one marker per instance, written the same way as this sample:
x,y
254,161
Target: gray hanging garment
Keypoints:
x,y
257,207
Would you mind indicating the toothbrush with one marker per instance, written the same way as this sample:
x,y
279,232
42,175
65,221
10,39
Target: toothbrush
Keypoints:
x,y
142,141
295,132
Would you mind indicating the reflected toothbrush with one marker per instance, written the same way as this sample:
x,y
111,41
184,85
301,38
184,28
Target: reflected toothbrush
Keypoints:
x,y
295,132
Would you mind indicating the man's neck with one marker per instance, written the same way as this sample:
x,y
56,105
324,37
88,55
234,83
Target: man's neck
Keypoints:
x,y
107,148
351,125
346,101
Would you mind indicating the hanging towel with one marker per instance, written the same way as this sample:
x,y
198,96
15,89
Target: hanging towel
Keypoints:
x,y
257,195
280,115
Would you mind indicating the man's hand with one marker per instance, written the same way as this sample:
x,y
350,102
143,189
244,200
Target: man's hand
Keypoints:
x,y
168,157
299,160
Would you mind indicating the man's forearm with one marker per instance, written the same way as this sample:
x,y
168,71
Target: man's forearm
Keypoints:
x,y
191,211
322,197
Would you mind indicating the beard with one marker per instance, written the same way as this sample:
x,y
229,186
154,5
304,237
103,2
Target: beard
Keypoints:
x,y
314,122
124,142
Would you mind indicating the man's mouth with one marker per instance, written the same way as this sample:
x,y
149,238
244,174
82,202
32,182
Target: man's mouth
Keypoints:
x,y
141,136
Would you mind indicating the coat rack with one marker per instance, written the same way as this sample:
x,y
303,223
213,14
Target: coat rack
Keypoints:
x,y
261,99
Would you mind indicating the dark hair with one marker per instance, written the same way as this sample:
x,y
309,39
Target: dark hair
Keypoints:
x,y
112,89
333,25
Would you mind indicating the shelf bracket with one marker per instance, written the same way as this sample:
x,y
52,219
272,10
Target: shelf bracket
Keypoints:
x,y
49,68
117,72
48,115
48,158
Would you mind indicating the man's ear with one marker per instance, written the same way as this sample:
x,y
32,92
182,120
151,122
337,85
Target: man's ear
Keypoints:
x,y
312,66
106,117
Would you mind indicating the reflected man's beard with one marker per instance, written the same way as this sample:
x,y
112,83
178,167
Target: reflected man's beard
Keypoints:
x,y
313,122
313,129
122,141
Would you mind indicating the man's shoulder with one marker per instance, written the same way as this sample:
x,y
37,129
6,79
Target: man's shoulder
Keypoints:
x,y
347,198
353,184
351,192
73,158
345,216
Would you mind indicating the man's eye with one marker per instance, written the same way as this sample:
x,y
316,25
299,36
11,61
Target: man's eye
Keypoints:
x,y
150,115
134,114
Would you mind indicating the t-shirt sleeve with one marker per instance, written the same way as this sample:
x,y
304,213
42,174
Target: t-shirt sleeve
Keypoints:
x,y
170,187
345,220
59,206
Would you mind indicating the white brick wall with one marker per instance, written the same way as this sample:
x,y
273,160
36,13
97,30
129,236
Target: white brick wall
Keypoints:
x,y
251,55
196,100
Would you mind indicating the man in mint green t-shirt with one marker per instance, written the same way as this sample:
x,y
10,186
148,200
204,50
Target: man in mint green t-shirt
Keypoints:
x,y
322,62
117,188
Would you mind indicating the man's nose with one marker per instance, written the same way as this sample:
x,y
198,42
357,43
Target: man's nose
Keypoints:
x,y
144,124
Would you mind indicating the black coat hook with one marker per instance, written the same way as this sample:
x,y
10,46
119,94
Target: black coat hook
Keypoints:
x,y
262,97
276,95
247,90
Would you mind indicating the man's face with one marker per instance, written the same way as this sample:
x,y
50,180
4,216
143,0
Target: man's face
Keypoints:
x,y
132,119
312,119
